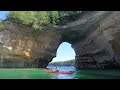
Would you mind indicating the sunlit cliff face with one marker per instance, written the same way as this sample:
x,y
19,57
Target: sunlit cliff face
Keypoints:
x,y
27,52
15,45
8,47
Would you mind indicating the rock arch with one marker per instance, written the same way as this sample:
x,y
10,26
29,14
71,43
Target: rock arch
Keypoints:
x,y
94,37
64,52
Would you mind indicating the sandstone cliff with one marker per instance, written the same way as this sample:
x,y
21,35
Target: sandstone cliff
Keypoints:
x,y
95,39
23,47
94,35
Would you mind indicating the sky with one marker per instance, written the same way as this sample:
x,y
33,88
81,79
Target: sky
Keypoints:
x,y
64,52
3,14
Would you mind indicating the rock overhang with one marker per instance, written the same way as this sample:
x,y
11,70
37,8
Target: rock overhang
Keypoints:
x,y
79,28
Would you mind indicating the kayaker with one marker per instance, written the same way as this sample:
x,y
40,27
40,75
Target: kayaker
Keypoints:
x,y
56,69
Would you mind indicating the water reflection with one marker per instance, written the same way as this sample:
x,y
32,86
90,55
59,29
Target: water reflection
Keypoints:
x,y
62,76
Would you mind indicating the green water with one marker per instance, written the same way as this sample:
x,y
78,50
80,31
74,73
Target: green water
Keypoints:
x,y
97,74
25,73
38,73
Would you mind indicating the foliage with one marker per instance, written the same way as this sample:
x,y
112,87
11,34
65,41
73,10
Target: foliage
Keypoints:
x,y
24,17
38,19
54,17
42,16
2,25
65,63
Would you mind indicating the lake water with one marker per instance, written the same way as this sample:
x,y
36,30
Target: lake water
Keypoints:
x,y
38,73
63,76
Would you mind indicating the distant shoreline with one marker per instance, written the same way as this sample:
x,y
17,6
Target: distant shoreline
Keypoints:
x,y
62,63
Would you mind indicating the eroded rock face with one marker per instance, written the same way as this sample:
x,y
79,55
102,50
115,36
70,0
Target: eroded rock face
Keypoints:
x,y
23,47
99,45
95,37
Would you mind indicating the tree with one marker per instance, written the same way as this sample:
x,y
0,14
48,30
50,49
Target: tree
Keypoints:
x,y
54,17
24,17
38,19
2,25
43,17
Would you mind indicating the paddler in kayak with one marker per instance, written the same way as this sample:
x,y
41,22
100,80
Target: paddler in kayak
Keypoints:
x,y
56,69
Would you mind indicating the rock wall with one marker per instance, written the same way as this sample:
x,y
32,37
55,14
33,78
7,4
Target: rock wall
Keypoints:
x,y
23,47
100,48
95,37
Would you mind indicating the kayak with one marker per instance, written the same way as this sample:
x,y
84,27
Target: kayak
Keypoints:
x,y
58,72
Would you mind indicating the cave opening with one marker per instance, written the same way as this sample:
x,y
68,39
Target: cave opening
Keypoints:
x,y
65,56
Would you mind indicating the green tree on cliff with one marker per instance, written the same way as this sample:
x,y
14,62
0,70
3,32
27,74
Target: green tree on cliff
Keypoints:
x,y
24,17
38,19
34,18
42,17
2,25
54,17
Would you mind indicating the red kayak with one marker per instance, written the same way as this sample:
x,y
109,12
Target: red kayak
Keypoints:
x,y
57,72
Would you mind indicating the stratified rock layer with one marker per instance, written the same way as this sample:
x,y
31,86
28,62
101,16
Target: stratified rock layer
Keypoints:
x,y
97,40
23,47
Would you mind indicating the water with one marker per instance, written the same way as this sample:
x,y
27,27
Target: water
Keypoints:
x,y
97,74
88,73
24,73
36,73
63,76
